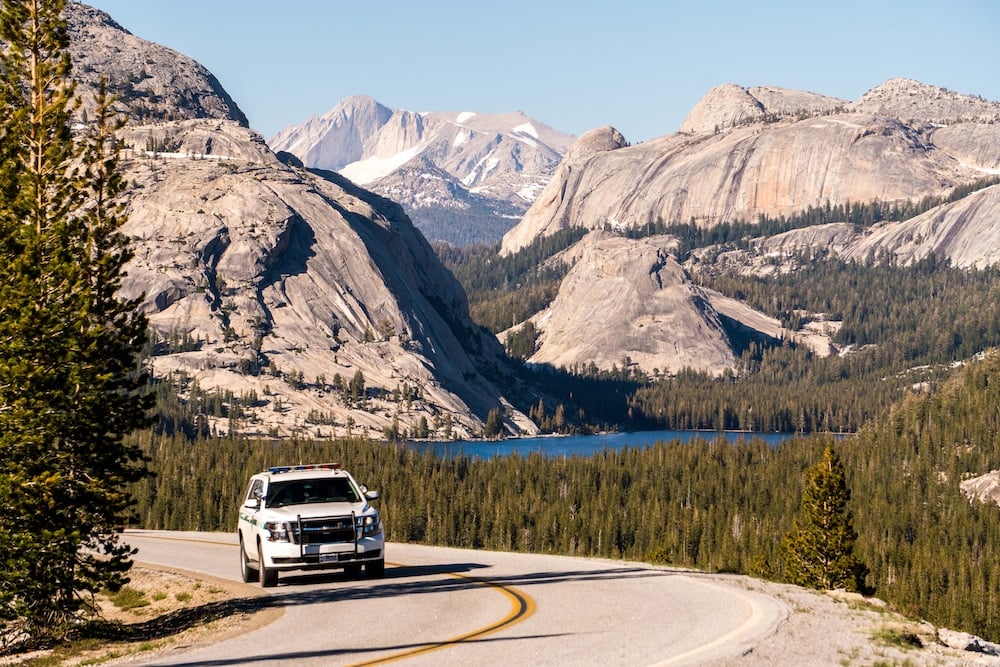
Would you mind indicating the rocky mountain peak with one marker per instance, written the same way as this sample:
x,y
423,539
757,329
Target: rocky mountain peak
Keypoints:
x,y
347,130
722,106
985,488
151,82
629,299
800,150
911,100
501,161
600,140
730,105
273,285
272,282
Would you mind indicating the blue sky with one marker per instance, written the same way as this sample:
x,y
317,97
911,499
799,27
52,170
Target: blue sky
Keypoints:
x,y
639,65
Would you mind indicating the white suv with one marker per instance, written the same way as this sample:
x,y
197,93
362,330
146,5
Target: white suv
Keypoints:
x,y
308,517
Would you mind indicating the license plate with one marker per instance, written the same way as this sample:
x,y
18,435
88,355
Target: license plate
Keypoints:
x,y
329,558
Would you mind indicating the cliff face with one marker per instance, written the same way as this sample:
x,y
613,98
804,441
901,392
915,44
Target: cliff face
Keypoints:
x,y
629,302
742,153
274,282
965,232
985,488
774,153
729,105
268,282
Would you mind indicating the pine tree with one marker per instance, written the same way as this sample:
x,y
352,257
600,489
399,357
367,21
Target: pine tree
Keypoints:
x,y
819,551
70,382
493,427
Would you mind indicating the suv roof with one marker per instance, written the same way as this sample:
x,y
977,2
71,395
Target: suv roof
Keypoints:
x,y
279,470
277,473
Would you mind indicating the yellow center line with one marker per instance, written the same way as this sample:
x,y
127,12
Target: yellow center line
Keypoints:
x,y
522,606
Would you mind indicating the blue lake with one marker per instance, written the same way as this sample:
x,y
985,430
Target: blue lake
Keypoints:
x,y
581,445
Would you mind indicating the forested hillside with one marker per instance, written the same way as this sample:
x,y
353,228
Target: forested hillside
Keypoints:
x,y
904,325
711,505
901,327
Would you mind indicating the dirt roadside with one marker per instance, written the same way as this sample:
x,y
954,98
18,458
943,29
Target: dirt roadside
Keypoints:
x,y
159,610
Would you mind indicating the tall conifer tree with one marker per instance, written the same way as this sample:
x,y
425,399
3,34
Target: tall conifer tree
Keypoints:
x,y
70,386
819,550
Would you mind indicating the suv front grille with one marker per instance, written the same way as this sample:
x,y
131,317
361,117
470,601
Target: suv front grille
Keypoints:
x,y
326,530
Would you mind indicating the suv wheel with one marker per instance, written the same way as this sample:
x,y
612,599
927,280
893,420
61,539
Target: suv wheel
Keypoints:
x,y
247,573
268,576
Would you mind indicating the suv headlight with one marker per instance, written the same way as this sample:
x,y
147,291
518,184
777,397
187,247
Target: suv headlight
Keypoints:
x,y
279,531
369,525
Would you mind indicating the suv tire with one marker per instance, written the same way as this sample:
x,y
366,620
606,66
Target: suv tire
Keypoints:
x,y
247,573
268,576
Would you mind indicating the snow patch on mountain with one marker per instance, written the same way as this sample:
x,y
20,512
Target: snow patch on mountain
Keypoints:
x,y
375,167
530,192
527,128
488,159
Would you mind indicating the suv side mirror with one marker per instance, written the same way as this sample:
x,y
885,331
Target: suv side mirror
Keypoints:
x,y
369,495
252,503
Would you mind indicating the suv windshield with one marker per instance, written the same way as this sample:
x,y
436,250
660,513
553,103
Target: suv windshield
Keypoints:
x,y
321,490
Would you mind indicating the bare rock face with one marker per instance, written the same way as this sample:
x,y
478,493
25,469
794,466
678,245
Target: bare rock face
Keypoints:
x,y
497,163
778,154
911,101
553,208
975,145
596,141
196,139
628,301
985,488
965,232
151,82
272,282
834,237
724,106
729,105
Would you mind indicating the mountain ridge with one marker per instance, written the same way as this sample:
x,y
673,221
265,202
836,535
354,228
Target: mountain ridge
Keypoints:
x,y
771,164
496,163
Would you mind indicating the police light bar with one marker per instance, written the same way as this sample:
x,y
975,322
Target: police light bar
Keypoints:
x,y
276,470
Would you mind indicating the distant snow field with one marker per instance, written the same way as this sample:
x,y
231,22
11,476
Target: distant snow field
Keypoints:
x,y
527,128
373,168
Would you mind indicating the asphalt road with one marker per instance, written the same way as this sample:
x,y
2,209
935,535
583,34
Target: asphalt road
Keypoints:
x,y
440,606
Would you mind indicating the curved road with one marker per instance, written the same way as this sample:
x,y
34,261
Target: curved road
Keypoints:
x,y
439,606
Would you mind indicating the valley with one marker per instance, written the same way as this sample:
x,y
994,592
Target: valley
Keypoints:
x,y
785,262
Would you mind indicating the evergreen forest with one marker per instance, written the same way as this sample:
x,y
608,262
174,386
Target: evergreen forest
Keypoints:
x,y
929,551
917,396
